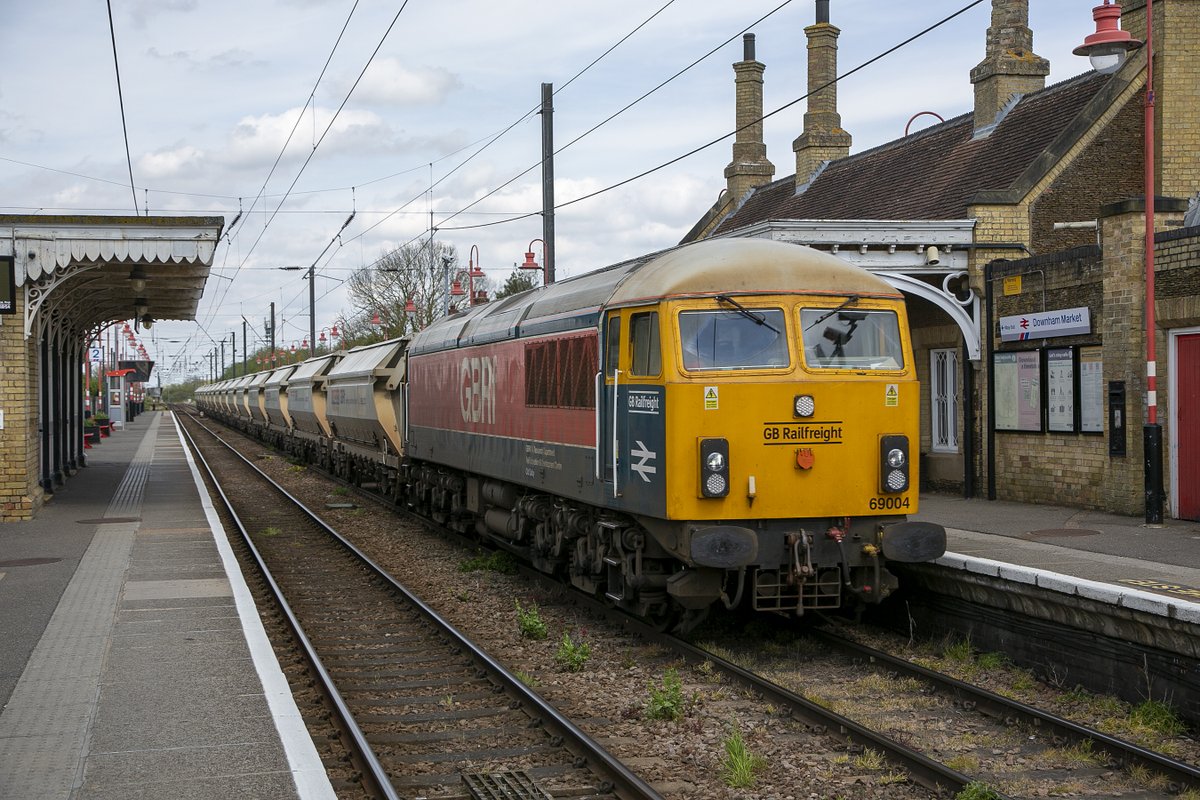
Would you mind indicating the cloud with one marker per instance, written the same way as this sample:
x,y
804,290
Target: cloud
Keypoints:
x,y
389,82
143,11
183,161
232,58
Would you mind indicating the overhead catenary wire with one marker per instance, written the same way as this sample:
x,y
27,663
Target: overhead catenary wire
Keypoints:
x,y
112,30
734,132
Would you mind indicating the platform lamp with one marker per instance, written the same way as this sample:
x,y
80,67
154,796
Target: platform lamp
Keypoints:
x,y
137,279
530,263
1107,49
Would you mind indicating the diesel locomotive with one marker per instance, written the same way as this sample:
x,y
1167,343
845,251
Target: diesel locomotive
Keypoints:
x,y
730,421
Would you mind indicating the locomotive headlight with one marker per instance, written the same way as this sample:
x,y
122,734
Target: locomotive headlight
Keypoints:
x,y
804,405
714,467
893,463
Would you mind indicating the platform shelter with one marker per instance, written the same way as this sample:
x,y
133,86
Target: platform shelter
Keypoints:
x,y
62,280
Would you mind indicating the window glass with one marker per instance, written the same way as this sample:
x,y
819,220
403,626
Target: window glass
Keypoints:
x,y
643,344
612,348
733,339
848,338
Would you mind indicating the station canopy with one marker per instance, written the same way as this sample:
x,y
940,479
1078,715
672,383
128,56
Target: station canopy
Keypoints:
x,y
83,272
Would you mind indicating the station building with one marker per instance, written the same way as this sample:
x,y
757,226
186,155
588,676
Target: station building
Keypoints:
x,y
64,279
1017,233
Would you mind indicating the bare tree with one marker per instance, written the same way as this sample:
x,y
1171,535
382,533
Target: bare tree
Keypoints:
x,y
419,273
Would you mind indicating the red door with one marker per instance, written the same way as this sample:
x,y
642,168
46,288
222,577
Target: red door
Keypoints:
x,y
1187,424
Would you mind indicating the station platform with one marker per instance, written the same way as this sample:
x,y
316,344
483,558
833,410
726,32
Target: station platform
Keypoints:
x,y
134,664
1104,557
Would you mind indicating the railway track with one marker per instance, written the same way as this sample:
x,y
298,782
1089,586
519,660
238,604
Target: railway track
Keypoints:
x,y
1154,775
424,710
1052,751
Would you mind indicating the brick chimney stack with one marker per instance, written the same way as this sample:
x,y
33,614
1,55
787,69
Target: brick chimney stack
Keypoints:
x,y
749,167
1009,66
823,138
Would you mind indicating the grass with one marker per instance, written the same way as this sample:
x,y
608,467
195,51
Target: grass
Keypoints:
x,y
739,766
1078,755
498,561
1157,717
977,791
966,763
527,679
666,699
530,622
572,655
271,531
870,759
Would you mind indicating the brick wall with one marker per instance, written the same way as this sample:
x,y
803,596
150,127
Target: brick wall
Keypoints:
x,y
1051,468
1076,469
20,493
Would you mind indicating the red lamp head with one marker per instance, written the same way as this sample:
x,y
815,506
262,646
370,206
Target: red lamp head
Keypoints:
x,y
1108,46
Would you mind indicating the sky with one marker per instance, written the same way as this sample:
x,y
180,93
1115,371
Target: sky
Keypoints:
x,y
424,116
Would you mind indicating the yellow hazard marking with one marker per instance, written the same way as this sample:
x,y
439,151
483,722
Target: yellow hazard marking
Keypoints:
x,y
711,398
892,396
1012,285
1163,586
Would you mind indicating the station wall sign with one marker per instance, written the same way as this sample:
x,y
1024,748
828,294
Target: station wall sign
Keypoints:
x,y
1044,324
8,285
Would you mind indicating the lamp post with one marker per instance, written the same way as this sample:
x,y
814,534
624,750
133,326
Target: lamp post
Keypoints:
x,y
1107,48
333,334
473,272
530,263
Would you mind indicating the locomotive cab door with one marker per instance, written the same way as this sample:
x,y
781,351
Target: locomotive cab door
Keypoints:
x,y
610,379
633,418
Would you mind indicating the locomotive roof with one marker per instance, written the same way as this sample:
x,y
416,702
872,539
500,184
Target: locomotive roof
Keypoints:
x,y
715,266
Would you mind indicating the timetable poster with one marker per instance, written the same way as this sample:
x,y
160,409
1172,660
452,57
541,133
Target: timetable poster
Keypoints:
x,y
1091,390
1018,392
1060,389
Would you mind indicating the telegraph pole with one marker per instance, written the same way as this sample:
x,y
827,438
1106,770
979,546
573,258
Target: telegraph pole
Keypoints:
x,y
548,180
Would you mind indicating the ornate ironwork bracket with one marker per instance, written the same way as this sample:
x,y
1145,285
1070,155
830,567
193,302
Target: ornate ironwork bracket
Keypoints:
x,y
39,292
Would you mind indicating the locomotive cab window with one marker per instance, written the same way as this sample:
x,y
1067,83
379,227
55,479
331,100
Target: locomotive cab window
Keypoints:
x,y
643,344
612,348
735,338
849,338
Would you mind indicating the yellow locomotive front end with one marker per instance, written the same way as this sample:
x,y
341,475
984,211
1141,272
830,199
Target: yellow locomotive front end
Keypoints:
x,y
792,436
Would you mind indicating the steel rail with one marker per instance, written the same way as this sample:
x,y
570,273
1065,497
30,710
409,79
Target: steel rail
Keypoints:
x,y
623,780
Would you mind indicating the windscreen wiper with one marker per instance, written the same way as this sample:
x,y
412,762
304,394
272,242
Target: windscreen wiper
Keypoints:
x,y
745,312
848,301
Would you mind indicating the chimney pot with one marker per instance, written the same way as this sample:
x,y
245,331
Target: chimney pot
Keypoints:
x,y
748,47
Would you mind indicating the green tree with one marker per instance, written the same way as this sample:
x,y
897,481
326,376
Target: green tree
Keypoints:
x,y
519,281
